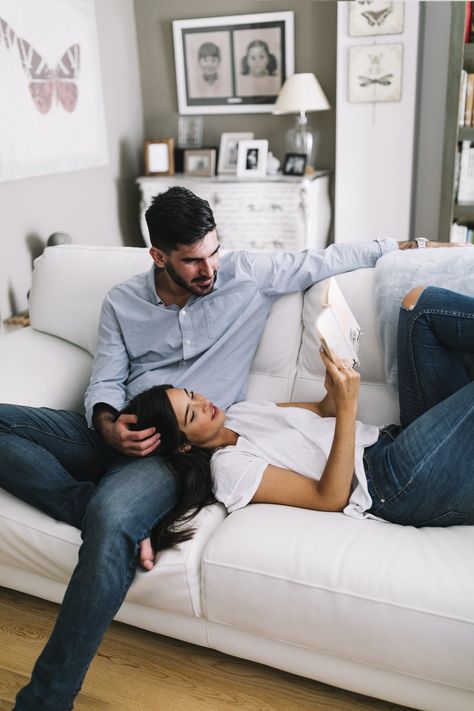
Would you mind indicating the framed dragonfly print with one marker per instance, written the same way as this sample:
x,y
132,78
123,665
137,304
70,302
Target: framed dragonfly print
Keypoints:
x,y
52,117
375,73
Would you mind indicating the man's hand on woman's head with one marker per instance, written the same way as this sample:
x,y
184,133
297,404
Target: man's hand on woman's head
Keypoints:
x,y
117,434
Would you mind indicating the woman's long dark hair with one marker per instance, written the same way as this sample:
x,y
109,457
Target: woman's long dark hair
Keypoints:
x,y
191,469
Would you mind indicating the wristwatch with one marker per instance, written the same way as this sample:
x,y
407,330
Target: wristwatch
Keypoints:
x,y
421,242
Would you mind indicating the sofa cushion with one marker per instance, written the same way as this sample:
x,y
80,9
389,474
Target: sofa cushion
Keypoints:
x,y
371,592
70,283
33,542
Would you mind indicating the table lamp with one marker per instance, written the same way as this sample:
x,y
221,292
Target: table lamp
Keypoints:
x,y
301,93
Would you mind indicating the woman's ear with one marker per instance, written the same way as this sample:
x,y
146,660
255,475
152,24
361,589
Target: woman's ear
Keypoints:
x,y
185,447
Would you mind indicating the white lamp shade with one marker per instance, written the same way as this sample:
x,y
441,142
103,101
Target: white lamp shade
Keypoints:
x,y
300,92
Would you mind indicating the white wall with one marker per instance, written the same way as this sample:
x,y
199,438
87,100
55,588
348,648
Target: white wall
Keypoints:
x,y
375,144
98,206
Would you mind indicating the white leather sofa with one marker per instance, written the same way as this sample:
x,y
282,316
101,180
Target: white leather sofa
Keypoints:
x,y
376,608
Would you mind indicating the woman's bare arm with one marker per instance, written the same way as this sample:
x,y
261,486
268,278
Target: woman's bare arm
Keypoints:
x,y
332,491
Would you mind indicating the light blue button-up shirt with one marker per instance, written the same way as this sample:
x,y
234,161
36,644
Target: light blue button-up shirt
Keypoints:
x,y
208,344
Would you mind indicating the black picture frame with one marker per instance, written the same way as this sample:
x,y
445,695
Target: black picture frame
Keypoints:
x,y
295,164
232,64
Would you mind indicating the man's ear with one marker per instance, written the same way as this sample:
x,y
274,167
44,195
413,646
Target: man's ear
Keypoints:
x,y
185,447
158,256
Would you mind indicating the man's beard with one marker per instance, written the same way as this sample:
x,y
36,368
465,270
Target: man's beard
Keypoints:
x,y
193,286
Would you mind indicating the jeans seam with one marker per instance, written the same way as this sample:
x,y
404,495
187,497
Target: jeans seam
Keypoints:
x,y
47,434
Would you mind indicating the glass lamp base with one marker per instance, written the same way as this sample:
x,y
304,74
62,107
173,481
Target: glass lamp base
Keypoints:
x,y
300,139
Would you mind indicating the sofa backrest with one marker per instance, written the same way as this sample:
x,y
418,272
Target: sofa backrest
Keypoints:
x,y
70,282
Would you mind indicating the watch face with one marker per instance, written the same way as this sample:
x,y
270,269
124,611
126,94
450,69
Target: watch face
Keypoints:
x,y
421,241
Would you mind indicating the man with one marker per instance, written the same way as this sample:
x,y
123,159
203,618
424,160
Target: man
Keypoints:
x,y
192,320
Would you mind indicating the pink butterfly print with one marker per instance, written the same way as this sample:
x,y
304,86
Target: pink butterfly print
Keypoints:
x,y
7,36
43,80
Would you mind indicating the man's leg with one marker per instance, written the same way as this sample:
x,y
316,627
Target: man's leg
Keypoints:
x,y
50,459
125,506
436,326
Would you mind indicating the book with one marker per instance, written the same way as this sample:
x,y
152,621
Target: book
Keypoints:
x,y
466,175
468,22
337,327
462,98
469,100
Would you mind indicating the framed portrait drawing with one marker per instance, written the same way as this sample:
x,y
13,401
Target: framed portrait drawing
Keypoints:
x,y
252,159
233,64
375,73
294,164
159,156
228,151
201,162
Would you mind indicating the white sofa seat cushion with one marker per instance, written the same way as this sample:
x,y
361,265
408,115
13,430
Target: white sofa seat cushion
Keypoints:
x,y
377,404
376,593
32,542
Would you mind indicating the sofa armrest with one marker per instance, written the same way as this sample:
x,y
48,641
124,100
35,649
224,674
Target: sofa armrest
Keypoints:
x,y
41,370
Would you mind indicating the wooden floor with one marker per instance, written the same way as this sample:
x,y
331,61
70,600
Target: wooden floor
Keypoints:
x,y
136,670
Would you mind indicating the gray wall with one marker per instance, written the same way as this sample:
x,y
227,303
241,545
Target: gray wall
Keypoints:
x,y
434,55
315,51
98,206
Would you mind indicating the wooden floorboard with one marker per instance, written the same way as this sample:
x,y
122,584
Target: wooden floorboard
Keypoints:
x,y
136,670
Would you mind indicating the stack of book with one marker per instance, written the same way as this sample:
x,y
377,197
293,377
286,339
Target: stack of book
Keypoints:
x,y
464,174
466,100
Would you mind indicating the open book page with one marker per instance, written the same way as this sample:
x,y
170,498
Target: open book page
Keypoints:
x,y
337,326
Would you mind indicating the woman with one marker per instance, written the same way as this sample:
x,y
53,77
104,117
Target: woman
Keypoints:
x,y
317,455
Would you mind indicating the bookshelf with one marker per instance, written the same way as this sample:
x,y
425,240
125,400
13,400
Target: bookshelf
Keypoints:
x,y
461,56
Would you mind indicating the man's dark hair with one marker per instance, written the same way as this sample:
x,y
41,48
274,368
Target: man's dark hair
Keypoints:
x,y
176,217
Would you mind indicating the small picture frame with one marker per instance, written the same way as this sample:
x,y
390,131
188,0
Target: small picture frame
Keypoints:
x,y
190,131
229,150
294,164
200,162
159,156
252,159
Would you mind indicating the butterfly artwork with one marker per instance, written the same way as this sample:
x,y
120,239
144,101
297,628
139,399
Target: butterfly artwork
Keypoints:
x,y
375,75
377,18
45,83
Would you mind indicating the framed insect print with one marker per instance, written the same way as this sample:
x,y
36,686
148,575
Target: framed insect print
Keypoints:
x,y
53,119
375,17
375,73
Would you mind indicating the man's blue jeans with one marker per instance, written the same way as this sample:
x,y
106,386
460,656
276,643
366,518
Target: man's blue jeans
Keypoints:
x,y
422,473
53,461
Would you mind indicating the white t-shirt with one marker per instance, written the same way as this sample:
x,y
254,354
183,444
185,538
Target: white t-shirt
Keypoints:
x,y
289,437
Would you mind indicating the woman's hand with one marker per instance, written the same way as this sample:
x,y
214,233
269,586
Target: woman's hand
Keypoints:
x,y
342,384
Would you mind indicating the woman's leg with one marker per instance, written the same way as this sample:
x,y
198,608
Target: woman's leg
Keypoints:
x,y
433,333
425,476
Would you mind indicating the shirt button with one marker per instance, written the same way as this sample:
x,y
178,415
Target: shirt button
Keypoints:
x,y
183,363
188,342
183,312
